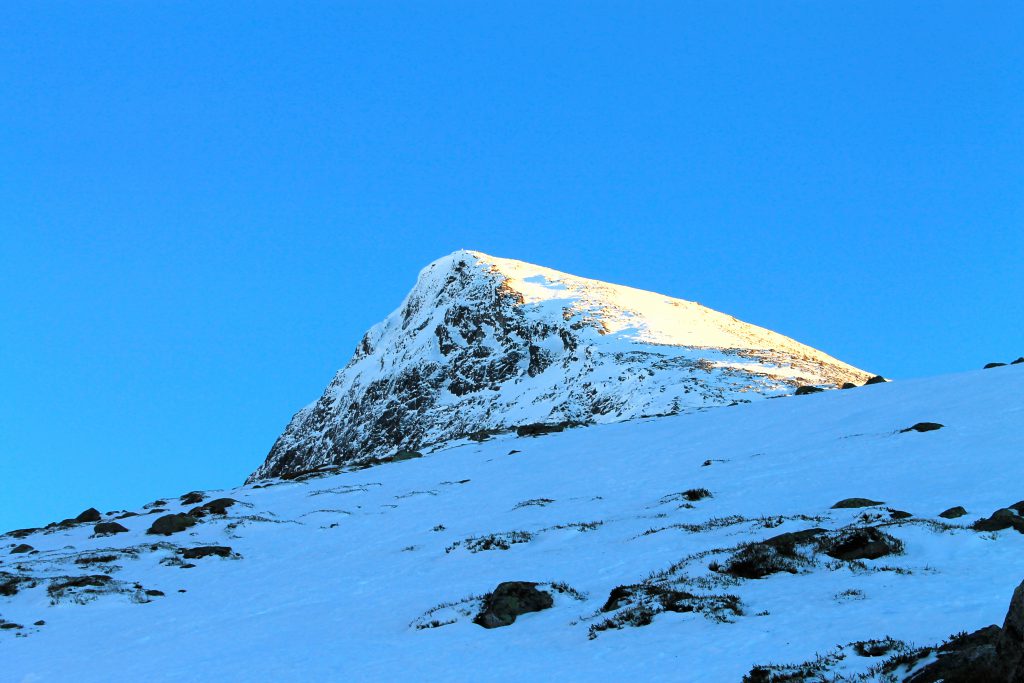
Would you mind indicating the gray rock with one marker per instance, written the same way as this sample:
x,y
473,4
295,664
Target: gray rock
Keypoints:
x,y
509,600
923,427
192,498
856,503
868,543
217,506
1003,518
953,512
202,551
171,524
108,529
90,515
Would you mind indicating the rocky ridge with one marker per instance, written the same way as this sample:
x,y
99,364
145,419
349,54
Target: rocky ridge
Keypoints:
x,y
483,345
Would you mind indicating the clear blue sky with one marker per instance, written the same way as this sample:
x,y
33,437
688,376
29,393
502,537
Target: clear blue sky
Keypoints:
x,y
204,205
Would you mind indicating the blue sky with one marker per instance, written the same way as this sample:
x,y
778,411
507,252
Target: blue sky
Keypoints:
x,y
206,204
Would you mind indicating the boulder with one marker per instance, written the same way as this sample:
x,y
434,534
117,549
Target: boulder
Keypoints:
x,y
877,379
1018,361
923,427
90,515
509,600
856,503
989,366
217,506
22,533
405,455
771,556
807,389
22,548
966,658
539,428
1010,645
192,498
848,385
1003,518
953,512
867,543
988,655
171,524
202,551
108,529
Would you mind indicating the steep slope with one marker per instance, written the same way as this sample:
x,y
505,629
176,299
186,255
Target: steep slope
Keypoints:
x,y
483,344
373,574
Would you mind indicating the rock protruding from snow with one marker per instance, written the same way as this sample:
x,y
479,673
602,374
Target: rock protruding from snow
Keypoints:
x,y
483,344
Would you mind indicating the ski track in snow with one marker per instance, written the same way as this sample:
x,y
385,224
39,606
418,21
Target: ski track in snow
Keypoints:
x,y
334,572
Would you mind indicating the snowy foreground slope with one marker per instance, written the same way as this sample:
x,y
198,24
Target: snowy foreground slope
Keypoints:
x,y
329,578
484,344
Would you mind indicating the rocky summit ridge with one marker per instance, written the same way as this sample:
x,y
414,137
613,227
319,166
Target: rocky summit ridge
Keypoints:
x,y
483,345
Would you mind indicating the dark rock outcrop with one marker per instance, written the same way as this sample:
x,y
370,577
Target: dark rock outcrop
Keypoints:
x,y
877,379
867,543
509,600
988,655
171,524
90,515
540,428
202,551
923,427
108,529
1003,518
192,498
773,555
22,533
807,389
10,584
953,512
406,455
21,548
989,366
217,506
856,503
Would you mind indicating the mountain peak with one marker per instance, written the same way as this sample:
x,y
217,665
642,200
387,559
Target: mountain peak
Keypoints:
x,y
483,344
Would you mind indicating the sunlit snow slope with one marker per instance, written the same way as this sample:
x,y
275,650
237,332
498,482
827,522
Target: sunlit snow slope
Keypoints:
x,y
374,575
484,344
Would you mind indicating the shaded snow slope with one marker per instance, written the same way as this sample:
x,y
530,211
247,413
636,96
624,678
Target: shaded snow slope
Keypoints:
x,y
329,578
484,344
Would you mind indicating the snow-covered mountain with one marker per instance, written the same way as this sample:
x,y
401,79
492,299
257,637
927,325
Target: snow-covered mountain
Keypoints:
x,y
821,534
483,345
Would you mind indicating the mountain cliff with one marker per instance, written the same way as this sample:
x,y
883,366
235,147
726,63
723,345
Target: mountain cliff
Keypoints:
x,y
484,344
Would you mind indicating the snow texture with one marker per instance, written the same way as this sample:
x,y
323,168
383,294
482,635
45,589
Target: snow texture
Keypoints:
x,y
376,574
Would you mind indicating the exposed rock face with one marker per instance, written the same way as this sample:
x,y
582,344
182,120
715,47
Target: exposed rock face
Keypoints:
x,y
483,344
988,655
